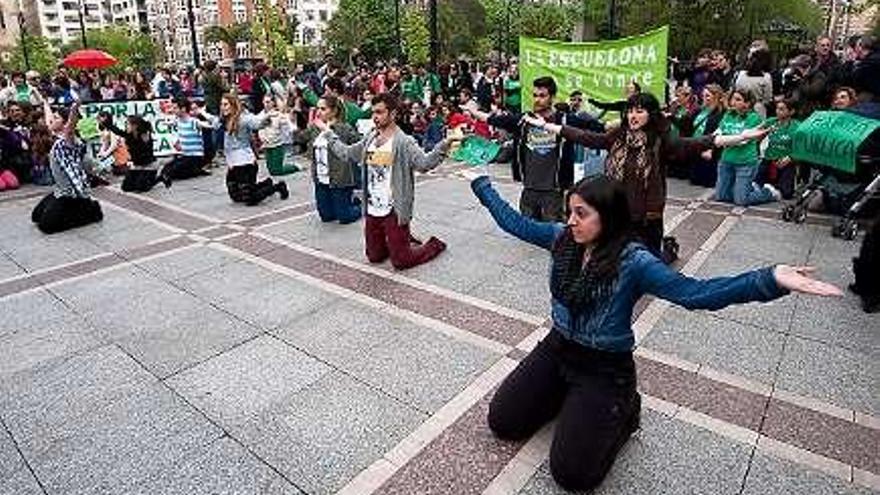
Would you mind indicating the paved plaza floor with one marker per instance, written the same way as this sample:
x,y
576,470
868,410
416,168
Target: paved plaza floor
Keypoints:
x,y
187,345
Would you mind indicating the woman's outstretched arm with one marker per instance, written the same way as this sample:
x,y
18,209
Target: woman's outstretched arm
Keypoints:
x,y
541,234
763,284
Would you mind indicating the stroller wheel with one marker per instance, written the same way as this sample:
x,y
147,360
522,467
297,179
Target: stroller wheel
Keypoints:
x,y
849,229
799,214
787,213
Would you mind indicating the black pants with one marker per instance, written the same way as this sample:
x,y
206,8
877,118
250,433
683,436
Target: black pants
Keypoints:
x,y
59,214
650,232
184,167
866,266
242,185
544,206
591,393
139,180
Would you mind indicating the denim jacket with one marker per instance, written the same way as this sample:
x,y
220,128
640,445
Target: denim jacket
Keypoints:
x,y
237,146
607,325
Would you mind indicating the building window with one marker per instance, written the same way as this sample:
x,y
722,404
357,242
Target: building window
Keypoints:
x,y
2,19
322,14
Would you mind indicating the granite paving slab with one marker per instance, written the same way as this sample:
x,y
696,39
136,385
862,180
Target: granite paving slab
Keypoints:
x,y
414,364
773,476
323,436
702,338
281,299
660,459
163,327
221,468
239,384
842,377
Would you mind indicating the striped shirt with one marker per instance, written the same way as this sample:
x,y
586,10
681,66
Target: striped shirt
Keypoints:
x,y
190,135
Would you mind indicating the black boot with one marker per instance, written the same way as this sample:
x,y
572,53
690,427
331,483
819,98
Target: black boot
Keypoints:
x,y
281,187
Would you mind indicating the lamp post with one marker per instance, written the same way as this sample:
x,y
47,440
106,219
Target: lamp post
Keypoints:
x,y
435,43
193,39
398,49
22,36
82,11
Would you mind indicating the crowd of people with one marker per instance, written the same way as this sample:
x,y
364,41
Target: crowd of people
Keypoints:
x,y
370,127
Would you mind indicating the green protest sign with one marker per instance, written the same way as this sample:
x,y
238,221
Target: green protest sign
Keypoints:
x,y
832,139
600,69
159,113
476,151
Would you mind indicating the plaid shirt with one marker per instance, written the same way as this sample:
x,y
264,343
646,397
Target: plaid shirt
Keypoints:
x,y
65,161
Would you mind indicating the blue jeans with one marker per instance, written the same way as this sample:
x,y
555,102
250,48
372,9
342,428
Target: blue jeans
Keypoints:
x,y
735,184
335,203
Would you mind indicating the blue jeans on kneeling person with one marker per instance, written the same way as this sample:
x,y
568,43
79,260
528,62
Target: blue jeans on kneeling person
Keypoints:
x,y
735,184
336,204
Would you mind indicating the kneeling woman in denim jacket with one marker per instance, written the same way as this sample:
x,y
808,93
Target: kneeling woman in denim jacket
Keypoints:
x,y
583,372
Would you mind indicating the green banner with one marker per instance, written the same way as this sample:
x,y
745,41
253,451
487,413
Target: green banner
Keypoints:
x,y
159,113
601,70
832,139
476,151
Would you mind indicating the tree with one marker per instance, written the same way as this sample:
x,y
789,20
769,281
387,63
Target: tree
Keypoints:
x,y
416,36
228,36
270,32
133,49
367,25
41,56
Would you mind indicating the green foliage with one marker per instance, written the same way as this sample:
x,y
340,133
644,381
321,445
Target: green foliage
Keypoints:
x,y
131,48
416,36
40,54
229,35
365,25
270,32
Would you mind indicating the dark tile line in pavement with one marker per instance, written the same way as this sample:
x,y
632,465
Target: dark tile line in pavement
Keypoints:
x,y
155,211
76,269
486,323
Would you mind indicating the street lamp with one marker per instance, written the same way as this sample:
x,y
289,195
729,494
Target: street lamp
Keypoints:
x,y
192,33
21,33
397,29
435,43
82,10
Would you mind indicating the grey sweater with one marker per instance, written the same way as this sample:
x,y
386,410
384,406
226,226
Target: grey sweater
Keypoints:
x,y
407,155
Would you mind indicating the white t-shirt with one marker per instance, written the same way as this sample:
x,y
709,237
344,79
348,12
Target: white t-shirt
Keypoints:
x,y
322,169
379,163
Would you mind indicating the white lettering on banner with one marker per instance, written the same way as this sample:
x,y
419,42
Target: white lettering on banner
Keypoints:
x,y
613,57
156,112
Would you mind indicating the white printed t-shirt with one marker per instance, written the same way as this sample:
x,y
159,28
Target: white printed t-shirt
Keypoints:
x,y
322,168
379,162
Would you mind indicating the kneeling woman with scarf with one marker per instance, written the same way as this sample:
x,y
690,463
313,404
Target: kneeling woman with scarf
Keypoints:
x,y
583,373
638,152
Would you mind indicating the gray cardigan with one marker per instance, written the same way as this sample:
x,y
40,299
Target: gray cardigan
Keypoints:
x,y
407,156
342,171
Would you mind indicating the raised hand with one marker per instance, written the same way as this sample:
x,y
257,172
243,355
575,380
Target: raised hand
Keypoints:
x,y
799,279
320,125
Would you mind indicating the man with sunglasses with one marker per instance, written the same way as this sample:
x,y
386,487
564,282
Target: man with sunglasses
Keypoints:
x,y
546,161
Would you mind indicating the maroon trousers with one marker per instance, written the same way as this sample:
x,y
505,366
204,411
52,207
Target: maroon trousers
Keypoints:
x,y
386,238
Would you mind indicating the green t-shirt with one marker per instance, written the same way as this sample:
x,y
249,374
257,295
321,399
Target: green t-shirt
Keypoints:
x,y
779,142
414,89
700,122
732,124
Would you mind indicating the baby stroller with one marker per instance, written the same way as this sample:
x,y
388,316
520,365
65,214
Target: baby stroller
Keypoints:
x,y
844,192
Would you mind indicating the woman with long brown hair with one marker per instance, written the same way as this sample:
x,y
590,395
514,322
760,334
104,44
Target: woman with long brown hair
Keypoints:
x,y
704,171
241,175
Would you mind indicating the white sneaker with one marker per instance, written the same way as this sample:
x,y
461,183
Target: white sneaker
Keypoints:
x,y
775,192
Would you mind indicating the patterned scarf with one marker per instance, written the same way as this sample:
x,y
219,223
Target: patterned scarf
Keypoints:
x,y
629,153
575,284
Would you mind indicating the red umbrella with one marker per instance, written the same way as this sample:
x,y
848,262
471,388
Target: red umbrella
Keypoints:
x,y
89,59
